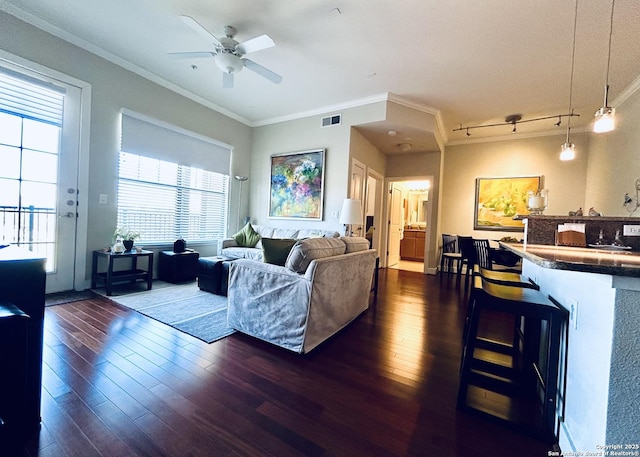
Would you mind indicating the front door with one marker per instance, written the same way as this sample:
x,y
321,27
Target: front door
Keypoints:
x,y
39,146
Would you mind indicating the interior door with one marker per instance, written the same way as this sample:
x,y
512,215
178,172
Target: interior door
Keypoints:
x,y
395,226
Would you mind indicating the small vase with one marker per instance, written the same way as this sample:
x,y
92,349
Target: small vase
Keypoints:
x,y
128,245
537,201
118,247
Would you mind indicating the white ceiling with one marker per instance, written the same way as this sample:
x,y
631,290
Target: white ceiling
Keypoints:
x,y
472,61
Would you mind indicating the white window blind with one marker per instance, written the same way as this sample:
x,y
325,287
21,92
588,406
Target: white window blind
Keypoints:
x,y
171,183
29,98
151,138
165,201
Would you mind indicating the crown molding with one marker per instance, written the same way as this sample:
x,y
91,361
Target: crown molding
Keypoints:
x,y
98,51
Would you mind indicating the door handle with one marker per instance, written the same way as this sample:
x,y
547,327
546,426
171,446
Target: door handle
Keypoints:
x,y
67,214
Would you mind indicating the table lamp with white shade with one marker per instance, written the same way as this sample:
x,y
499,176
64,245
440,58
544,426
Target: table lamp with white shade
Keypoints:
x,y
351,214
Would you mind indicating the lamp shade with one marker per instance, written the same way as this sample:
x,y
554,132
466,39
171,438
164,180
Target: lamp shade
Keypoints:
x,y
351,212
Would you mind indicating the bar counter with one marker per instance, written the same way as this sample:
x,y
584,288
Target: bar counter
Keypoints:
x,y
589,260
600,289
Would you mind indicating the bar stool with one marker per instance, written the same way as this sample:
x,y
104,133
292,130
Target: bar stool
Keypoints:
x,y
525,371
502,277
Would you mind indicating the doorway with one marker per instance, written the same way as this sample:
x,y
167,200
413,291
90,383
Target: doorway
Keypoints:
x,y
40,135
409,220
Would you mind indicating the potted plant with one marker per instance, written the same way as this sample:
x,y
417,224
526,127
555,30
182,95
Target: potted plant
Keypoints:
x,y
127,236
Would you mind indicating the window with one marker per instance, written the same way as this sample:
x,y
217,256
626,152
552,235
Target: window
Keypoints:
x,y
171,183
165,201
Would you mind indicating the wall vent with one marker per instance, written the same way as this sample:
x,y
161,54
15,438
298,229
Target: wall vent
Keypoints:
x,y
334,119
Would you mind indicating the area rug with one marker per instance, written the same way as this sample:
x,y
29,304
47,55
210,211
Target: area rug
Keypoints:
x,y
184,307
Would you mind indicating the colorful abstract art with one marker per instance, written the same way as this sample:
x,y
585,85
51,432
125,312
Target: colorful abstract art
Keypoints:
x,y
297,185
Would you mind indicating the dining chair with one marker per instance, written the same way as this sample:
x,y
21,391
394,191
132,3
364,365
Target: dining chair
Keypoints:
x,y
450,253
468,254
485,257
483,253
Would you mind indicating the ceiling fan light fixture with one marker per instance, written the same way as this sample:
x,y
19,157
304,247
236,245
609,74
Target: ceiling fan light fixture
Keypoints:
x,y
229,63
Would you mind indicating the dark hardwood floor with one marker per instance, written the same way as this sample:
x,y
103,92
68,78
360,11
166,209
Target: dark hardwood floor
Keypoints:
x,y
117,383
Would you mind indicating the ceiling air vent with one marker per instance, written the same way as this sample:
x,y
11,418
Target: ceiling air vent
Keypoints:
x,y
335,119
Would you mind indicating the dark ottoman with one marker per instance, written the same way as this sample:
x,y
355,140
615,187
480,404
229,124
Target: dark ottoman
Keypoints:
x,y
213,274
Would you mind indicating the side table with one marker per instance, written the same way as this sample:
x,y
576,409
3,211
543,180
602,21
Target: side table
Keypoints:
x,y
178,266
134,273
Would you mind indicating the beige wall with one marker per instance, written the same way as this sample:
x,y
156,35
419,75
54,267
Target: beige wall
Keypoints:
x,y
362,150
566,181
614,161
301,135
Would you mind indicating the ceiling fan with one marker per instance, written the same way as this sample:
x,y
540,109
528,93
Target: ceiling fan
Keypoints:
x,y
229,54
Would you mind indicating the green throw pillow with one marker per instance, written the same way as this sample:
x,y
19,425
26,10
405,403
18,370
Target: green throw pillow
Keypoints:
x,y
247,237
276,250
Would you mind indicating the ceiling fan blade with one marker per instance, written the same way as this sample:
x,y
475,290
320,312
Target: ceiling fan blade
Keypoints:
x,y
195,25
256,44
192,54
227,80
262,71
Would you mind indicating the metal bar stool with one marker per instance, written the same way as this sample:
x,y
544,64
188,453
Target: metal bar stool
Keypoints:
x,y
515,383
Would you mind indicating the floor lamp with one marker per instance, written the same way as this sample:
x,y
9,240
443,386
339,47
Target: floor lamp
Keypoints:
x,y
241,179
351,214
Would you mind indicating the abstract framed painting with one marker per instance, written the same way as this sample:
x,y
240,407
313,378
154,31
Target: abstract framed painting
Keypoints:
x,y
296,188
498,200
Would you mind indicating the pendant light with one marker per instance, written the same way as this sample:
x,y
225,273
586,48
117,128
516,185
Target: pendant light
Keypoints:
x,y
568,151
605,121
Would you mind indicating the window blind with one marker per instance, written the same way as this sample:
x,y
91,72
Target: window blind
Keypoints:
x,y
165,201
30,98
151,138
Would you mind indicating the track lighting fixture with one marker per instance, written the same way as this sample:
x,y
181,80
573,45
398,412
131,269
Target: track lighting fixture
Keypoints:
x,y
604,117
513,120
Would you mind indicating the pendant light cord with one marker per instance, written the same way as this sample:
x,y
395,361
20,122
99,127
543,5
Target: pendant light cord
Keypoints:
x,y
573,59
606,92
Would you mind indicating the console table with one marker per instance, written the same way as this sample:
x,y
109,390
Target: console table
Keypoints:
x,y
110,276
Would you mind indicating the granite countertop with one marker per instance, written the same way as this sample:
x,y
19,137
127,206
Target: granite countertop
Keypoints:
x,y
590,260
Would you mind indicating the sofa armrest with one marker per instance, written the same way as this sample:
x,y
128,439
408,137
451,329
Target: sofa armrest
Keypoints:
x,y
226,243
269,302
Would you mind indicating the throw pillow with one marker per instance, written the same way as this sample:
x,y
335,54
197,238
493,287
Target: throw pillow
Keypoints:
x,y
276,250
247,237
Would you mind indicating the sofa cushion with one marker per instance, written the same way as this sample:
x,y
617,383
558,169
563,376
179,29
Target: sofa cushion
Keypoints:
x,y
304,251
355,243
276,250
247,237
314,233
